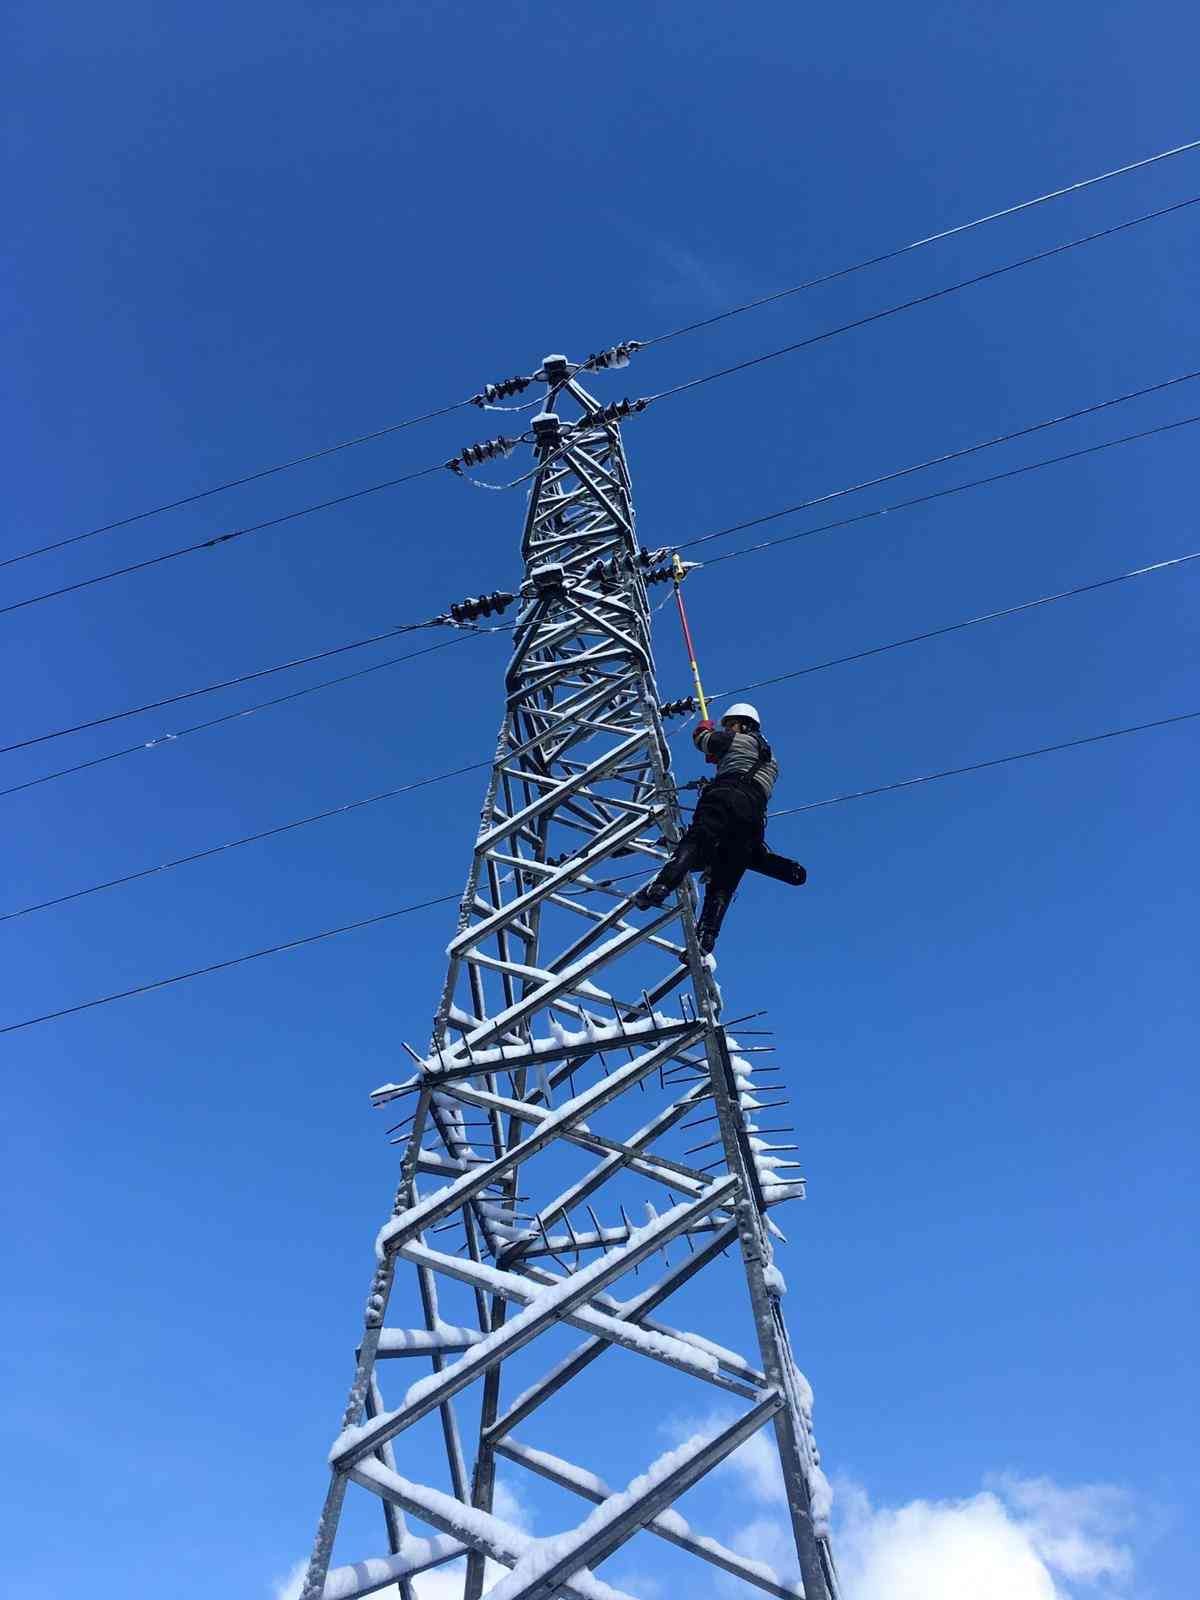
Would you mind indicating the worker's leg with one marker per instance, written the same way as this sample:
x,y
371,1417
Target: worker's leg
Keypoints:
x,y
782,868
723,880
694,851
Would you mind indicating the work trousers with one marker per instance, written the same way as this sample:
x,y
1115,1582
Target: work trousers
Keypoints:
x,y
725,840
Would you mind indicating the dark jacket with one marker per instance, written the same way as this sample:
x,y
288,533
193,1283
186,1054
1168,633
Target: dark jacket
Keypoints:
x,y
742,758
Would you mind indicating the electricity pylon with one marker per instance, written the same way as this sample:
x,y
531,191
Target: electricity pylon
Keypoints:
x,y
576,1050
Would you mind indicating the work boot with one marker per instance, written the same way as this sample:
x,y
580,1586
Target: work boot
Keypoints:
x,y
651,895
670,876
716,904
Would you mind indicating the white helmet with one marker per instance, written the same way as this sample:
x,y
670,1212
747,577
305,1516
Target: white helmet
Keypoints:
x,y
742,709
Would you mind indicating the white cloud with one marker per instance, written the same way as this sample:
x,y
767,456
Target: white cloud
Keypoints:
x,y
1021,1539
1017,1539
288,1588
1072,1529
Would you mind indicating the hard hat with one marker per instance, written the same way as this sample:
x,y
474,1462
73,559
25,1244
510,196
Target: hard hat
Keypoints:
x,y
742,709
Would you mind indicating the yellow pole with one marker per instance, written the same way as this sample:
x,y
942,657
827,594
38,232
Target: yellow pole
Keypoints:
x,y
679,575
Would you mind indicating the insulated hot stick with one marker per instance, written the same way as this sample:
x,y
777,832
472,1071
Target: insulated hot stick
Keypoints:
x,y
679,571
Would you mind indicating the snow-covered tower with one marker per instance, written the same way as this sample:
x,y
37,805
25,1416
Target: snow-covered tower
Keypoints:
x,y
581,1112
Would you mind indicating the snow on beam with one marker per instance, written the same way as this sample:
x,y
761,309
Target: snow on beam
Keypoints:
x,y
448,1199
663,1169
550,1563
479,1530
444,1339
555,797
605,845
667,1525
568,980
512,1057
587,1185
547,1305
735,1364
416,1555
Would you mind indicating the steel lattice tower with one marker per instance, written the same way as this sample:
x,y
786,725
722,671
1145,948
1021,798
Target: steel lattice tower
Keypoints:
x,y
577,1060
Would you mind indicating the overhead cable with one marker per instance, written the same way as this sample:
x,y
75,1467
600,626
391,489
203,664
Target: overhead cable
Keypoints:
x,y
981,766
463,611
613,412
917,244
485,605
921,300
939,460
234,483
212,688
403,911
956,488
674,708
232,961
249,838
219,539
618,356
244,711
728,555
957,627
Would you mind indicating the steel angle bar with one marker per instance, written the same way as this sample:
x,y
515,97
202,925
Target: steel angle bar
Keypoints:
x,y
600,1535
426,1212
414,1557
584,1187
543,1052
616,834
735,1365
635,1312
672,1528
610,1327
478,1530
662,1168
566,788
565,982
547,1306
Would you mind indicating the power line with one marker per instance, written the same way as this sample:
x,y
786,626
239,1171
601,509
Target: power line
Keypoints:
x,y
245,711
219,539
919,300
729,555
233,961
249,838
675,333
770,516
403,911
940,460
957,627
212,688
980,766
917,244
689,544
665,394
233,483
957,488
441,777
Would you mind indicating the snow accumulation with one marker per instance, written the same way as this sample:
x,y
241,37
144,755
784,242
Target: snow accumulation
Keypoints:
x,y
422,1341
669,1523
539,1305
543,1554
560,1037
415,1555
775,1281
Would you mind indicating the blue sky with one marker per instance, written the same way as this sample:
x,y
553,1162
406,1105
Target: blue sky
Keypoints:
x,y
242,233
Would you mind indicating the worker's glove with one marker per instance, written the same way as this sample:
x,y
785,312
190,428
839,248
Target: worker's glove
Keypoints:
x,y
707,726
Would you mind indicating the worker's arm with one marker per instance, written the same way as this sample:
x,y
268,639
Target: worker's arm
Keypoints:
x,y
711,742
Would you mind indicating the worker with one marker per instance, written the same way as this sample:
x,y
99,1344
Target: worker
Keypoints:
x,y
726,837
